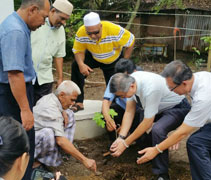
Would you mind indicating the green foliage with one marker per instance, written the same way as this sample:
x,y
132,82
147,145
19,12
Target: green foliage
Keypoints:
x,y
197,59
167,4
112,113
196,51
98,117
207,40
72,25
17,4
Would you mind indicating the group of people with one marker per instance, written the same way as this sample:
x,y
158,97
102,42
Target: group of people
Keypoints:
x,y
149,105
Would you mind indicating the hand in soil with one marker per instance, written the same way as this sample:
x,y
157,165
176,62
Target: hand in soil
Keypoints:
x,y
117,147
149,154
90,164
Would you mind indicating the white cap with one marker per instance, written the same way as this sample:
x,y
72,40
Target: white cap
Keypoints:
x,y
64,6
91,19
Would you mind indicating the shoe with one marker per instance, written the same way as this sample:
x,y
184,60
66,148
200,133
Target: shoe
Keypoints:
x,y
75,108
163,177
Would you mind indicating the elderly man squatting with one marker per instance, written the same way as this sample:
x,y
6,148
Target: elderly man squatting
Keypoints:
x,y
50,131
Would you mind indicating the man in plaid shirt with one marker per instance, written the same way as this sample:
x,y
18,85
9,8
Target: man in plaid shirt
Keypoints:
x,y
53,131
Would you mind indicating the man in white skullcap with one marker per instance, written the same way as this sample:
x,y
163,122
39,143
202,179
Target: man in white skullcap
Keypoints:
x,y
48,44
98,44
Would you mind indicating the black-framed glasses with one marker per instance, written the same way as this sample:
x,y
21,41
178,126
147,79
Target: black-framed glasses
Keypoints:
x,y
172,89
94,32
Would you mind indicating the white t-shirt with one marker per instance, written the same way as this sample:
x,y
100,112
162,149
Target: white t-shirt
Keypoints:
x,y
200,113
154,93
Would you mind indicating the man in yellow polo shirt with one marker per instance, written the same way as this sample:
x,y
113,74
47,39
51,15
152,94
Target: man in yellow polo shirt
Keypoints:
x,y
98,44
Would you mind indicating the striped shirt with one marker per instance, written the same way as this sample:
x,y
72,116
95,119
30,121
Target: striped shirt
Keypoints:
x,y
109,46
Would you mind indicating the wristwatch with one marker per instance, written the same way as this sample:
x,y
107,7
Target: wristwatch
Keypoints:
x,y
122,137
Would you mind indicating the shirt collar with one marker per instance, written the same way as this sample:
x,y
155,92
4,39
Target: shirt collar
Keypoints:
x,y
56,99
23,23
47,21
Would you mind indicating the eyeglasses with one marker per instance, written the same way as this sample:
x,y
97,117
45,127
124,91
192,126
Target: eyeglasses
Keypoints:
x,y
172,89
94,32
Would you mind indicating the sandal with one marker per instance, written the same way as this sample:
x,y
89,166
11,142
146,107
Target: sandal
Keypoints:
x,y
75,108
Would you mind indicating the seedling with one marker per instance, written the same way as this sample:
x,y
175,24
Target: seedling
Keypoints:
x,y
99,118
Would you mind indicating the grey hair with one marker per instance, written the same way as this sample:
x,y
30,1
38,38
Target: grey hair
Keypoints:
x,y
121,82
27,3
178,71
68,87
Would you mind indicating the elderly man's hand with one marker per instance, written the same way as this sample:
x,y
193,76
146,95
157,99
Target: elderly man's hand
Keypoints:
x,y
85,70
117,147
27,119
149,154
66,118
90,164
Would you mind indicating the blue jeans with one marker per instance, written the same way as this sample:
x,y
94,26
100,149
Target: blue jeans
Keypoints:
x,y
9,107
199,153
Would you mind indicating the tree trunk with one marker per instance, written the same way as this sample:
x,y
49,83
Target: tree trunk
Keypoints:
x,y
133,15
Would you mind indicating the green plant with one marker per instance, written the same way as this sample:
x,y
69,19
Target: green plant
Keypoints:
x,y
99,118
162,4
197,58
207,39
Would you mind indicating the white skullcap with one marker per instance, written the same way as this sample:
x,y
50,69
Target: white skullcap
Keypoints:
x,y
64,6
91,19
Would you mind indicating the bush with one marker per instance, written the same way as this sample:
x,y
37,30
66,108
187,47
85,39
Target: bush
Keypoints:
x,y
71,28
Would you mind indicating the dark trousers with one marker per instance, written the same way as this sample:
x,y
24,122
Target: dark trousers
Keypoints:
x,y
78,78
118,119
165,122
199,153
41,90
9,107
